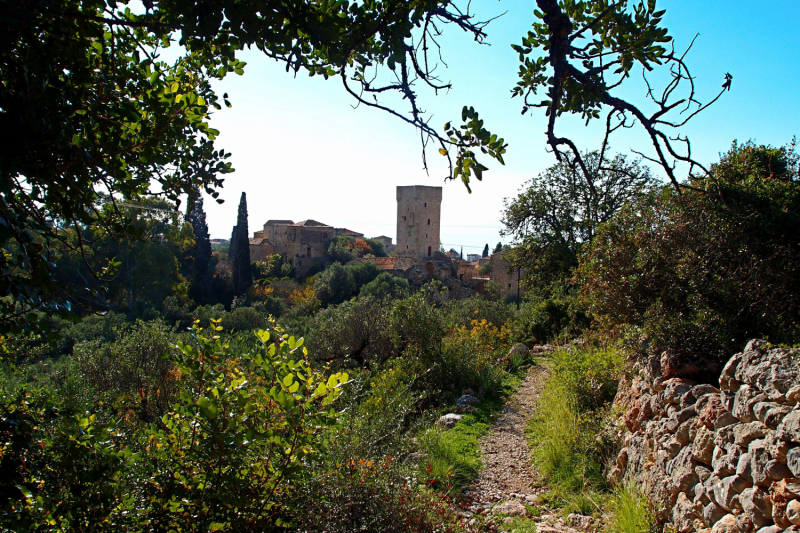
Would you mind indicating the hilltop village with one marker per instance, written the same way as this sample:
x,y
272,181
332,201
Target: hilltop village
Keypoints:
x,y
417,255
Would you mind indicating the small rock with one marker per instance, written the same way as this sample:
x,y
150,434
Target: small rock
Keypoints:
x,y
703,445
757,505
510,508
465,401
793,512
793,395
727,488
518,350
449,420
712,513
579,521
744,523
793,461
776,415
743,434
789,429
777,470
726,524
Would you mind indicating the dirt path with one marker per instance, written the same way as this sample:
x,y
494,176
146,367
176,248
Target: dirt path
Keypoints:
x,y
508,481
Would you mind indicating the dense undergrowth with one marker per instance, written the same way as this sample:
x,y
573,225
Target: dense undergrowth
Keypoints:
x,y
146,426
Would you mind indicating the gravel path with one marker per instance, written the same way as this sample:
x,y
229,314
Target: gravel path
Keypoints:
x,y
507,469
508,480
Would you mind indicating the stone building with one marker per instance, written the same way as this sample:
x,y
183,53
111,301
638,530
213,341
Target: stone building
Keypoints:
x,y
505,275
299,243
418,219
388,247
260,249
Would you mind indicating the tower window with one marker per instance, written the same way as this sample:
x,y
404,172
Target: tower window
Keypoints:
x,y
429,222
426,204
429,250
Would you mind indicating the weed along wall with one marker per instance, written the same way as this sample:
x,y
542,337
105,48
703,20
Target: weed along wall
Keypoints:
x,y
714,459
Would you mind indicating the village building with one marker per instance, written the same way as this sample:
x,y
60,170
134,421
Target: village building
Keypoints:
x,y
388,247
260,249
473,257
506,276
299,243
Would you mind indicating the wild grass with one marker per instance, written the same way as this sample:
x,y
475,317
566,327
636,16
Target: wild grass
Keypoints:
x,y
452,457
565,435
630,511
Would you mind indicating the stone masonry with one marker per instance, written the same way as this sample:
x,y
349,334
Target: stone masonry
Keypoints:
x,y
418,221
717,459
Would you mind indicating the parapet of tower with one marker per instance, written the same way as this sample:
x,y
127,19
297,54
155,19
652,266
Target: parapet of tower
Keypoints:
x,y
418,218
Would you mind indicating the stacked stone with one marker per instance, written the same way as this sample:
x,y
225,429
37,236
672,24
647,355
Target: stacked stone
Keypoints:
x,y
721,459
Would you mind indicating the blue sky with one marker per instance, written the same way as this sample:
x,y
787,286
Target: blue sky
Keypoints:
x,y
302,151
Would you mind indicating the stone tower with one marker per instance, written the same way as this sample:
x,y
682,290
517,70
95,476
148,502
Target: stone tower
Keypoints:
x,y
418,215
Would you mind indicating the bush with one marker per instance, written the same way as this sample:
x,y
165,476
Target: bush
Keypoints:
x,y
417,327
590,374
244,319
704,271
334,285
234,436
461,313
353,333
130,375
386,286
550,318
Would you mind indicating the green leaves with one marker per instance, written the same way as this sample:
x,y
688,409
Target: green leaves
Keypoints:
x,y
471,135
241,429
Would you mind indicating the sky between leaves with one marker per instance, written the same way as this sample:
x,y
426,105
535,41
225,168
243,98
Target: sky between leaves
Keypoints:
x,y
302,151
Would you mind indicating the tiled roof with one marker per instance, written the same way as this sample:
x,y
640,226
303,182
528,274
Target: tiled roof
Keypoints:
x,y
260,241
310,223
279,223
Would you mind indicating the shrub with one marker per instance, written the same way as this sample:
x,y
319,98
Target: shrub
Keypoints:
x,y
355,332
364,495
704,271
461,313
244,319
386,286
334,285
130,375
238,434
549,318
590,374
222,457
416,325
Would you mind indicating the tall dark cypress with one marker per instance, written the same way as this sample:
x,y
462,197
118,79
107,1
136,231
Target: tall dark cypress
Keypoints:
x,y
202,247
485,251
240,250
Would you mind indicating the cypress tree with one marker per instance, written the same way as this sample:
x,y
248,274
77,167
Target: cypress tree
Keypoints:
x,y
240,250
498,248
196,216
485,251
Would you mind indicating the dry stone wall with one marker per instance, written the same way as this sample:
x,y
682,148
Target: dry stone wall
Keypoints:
x,y
714,459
